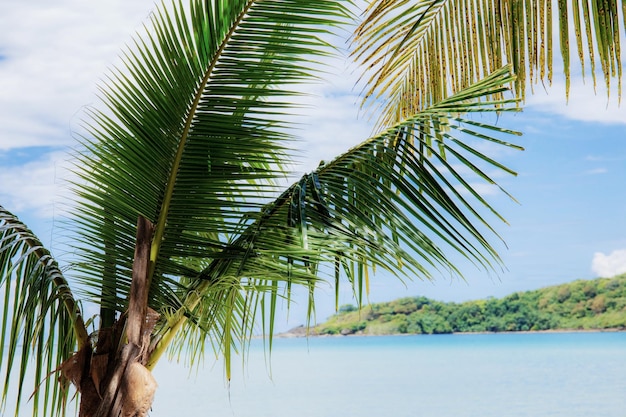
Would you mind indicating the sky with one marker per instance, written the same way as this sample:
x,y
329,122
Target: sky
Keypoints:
x,y
569,221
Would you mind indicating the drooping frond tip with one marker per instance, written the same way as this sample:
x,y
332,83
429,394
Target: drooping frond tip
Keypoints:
x,y
420,52
379,205
41,323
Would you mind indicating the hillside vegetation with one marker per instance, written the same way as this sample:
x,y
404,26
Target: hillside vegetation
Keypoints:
x,y
580,305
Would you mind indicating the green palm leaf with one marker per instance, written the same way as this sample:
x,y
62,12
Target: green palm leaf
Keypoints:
x,y
381,205
41,323
192,138
421,52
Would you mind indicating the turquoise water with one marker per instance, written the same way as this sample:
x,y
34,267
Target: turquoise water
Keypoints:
x,y
555,374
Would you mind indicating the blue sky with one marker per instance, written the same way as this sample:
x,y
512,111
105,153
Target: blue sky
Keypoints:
x,y
570,222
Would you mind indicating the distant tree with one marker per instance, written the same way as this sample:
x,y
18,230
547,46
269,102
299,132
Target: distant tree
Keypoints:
x,y
347,308
563,294
598,304
433,324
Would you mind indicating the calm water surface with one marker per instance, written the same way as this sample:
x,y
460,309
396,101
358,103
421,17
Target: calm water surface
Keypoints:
x,y
548,374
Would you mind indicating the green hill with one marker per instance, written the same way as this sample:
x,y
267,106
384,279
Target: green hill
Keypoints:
x,y
579,305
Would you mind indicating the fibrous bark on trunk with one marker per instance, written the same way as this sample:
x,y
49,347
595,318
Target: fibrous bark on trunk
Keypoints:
x,y
110,374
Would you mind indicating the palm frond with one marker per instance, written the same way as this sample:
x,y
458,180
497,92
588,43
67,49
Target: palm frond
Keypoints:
x,y
418,53
41,322
381,205
192,138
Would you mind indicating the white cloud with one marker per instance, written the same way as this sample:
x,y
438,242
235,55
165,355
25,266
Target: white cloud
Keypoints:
x,y
584,104
54,55
609,265
330,125
597,171
37,185
484,189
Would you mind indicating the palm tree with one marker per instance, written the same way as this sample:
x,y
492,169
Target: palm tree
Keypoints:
x,y
182,236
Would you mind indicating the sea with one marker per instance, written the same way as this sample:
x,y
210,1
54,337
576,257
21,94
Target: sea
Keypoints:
x,y
459,375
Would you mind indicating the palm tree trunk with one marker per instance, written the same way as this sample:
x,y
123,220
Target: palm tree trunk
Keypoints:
x,y
115,381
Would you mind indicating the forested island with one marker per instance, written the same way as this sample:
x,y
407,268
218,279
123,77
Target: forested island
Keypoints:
x,y
598,304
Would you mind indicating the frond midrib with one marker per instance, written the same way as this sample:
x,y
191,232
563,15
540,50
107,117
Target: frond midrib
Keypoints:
x,y
45,259
167,198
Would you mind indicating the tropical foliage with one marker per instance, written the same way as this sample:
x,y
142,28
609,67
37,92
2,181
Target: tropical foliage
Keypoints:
x,y
598,304
419,52
181,236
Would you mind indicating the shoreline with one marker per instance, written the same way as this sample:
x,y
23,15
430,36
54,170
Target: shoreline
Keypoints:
x,y
301,331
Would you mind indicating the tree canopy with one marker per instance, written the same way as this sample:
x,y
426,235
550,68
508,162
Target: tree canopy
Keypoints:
x,y
580,305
